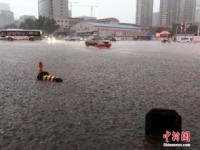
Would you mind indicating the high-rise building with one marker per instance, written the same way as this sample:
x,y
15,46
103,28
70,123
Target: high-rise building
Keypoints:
x,y
4,6
60,9
144,12
197,11
56,9
6,16
45,8
53,8
178,11
169,12
156,19
187,11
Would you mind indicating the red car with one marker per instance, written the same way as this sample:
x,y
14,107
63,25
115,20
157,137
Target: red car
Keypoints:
x,y
98,42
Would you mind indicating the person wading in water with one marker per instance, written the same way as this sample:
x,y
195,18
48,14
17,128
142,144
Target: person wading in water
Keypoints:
x,y
45,76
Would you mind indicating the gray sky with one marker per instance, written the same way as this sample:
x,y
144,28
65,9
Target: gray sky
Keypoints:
x,y
123,10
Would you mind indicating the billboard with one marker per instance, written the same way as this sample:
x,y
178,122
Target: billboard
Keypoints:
x,y
186,28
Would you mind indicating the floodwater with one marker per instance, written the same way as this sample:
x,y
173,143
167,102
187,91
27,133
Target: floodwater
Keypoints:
x,y
106,93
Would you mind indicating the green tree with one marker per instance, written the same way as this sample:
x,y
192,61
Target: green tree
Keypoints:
x,y
48,25
40,21
28,24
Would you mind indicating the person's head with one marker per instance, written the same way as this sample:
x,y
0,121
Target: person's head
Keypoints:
x,y
41,67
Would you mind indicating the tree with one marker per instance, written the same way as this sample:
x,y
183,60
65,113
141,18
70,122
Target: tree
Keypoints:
x,y
28,24
40,22
48,25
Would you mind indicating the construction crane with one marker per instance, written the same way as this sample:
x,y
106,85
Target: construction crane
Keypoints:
x,y
92,9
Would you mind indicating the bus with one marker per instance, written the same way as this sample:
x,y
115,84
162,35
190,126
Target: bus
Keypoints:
x,y
20,34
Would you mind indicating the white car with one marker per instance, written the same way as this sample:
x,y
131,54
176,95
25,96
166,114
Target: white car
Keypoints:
x,y
184,40
72,38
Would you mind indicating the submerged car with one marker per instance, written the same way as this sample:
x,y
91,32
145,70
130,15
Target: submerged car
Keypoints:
x,y
98,42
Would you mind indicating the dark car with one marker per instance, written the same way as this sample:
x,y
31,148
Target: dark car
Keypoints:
x,y
113,39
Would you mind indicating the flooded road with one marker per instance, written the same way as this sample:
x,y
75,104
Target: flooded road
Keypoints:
x,y
101,104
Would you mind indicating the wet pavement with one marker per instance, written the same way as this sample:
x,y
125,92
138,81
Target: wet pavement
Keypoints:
x,y
101,104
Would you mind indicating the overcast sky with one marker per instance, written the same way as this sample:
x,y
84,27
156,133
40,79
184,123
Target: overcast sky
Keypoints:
x,y
123,10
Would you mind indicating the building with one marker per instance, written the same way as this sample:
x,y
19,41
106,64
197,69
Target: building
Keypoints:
x,y
6,15
120,31
45,8
108,20
63,23
70,14
197,11
4,6
6,18
53,8
86,18
56,9
178,11
144,12
156,19
169,12
187,11
74,21
60,9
